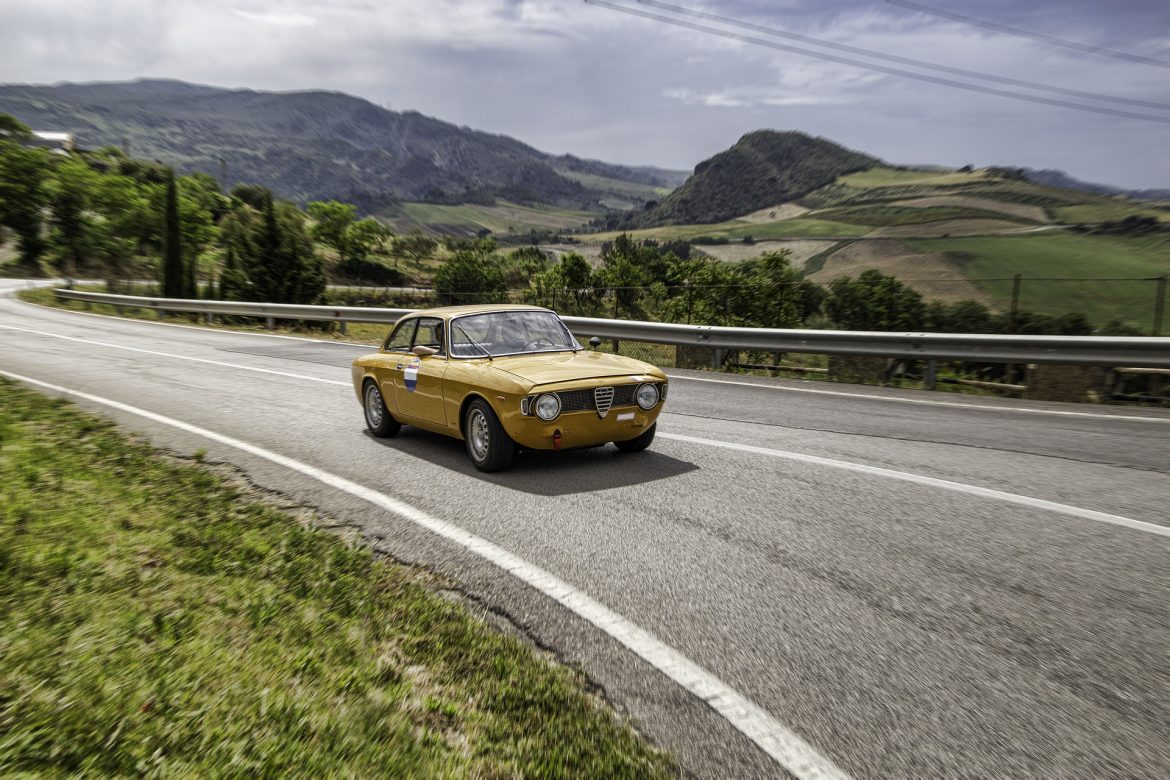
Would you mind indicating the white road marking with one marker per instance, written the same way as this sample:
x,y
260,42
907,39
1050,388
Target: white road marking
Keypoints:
x,y
181,357
225,331
905,476
774,738
927,402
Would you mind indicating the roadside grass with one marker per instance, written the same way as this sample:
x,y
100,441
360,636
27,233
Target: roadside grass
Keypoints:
x,y
1099,276
156,620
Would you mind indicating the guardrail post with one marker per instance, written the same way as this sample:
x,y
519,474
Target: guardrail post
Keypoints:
x,y
210,318
270,323
341,329
1159,305
929,374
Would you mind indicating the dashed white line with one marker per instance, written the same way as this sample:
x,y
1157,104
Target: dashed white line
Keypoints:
x,y
958,487
774,738
221,363
921,401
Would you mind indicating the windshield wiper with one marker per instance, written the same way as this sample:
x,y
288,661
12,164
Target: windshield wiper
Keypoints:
x,y
474,343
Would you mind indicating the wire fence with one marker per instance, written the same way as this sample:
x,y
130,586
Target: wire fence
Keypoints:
x,y
1118,306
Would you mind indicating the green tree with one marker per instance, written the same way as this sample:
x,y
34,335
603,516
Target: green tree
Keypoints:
x,y
173,272
874,301
331,223
12,129
471,276
233,282
365,236
624,269
70,229
416,246
23,197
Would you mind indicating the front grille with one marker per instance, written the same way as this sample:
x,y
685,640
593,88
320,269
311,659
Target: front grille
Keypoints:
x,y
588,400
603,397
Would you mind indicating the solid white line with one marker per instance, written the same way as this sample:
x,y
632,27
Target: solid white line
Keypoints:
x,y
224,331
181,357
958,487
924,401
784,746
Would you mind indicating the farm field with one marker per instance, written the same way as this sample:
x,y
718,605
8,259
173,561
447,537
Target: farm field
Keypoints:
x,y
1063,272
896,177
501,218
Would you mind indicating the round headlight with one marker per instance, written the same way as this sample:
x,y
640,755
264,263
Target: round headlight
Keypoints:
x,y
548,406
647,396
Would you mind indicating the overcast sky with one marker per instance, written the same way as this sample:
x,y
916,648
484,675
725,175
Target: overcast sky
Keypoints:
x,y
565,76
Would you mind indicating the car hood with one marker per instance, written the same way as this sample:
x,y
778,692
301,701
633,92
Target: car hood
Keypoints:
x,y
550,367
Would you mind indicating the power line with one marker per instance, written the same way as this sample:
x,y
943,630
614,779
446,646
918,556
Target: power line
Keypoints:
x,y
997,27
878,68
904,60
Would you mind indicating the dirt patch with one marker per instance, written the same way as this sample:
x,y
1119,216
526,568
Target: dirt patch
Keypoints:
x,y
930,273
1021,210
800,250
951,228
777,213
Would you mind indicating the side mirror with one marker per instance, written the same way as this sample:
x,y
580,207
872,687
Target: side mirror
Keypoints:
x,y
595,342
422,351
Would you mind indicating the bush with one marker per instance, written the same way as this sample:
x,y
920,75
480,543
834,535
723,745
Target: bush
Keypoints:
x,y
363,271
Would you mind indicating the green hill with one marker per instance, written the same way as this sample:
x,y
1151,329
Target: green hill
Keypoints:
x,y
763,169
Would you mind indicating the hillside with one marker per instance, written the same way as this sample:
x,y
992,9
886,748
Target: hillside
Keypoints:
x,y
762,169
314,145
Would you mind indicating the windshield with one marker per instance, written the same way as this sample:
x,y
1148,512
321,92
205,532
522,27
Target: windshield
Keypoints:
x,y
509,333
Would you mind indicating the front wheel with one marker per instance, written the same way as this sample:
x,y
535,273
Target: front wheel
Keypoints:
x,y
378,418
638,444
488,444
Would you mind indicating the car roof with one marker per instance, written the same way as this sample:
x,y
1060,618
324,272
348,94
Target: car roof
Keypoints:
x,y
447,312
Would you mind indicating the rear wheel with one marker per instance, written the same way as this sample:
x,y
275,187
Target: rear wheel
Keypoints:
x,y
378,418
488,445
638,444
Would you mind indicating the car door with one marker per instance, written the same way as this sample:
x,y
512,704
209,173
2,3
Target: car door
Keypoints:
x,y
396,352
418,381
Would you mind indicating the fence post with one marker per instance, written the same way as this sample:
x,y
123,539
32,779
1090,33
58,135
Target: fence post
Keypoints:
x,y
1015,310
1159,305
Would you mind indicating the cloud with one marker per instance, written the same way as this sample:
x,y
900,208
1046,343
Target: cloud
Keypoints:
x,y
276,18
571,77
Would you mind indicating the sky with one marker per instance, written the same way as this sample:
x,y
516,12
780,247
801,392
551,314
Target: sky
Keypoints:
x,y
567,76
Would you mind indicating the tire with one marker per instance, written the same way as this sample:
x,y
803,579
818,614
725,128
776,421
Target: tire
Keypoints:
x,y
378,418
488,444
638,444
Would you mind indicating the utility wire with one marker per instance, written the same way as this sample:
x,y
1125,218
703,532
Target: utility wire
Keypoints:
x,y
1052,39
902,60
878,68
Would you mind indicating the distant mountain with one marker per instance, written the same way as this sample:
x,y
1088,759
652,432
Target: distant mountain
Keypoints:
x,y
762,169
1055,178
315,145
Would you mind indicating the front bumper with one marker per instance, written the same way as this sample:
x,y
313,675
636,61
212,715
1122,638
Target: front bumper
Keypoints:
x,y
582,429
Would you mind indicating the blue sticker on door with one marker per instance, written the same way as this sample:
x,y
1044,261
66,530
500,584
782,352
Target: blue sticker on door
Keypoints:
x,y
411,374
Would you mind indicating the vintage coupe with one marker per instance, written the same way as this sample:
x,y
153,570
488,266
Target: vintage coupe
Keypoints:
x,y
506,377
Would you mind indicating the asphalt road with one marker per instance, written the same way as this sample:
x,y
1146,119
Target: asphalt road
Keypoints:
x,y
899,626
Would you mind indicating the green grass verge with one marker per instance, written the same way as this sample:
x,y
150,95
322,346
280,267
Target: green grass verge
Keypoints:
x,y
1074,262
155,621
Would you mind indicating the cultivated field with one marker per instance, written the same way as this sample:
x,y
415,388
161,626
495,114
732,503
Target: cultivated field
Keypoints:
x,y
930,273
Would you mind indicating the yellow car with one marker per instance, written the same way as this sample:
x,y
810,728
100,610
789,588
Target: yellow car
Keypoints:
x,y
504,378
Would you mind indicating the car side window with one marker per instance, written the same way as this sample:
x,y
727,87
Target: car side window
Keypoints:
x,y
401,337
429,334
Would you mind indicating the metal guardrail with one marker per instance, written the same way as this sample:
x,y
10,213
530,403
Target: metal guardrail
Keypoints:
x,y
1110,351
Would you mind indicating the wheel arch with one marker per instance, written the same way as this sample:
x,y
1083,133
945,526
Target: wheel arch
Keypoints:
x,y
466,402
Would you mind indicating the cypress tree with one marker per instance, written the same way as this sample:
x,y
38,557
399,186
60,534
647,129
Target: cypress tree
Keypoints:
x,y
172,266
